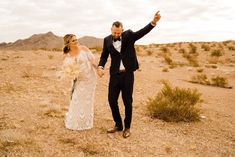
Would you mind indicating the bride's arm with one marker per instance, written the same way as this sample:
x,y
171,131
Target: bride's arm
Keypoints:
x,y
90,56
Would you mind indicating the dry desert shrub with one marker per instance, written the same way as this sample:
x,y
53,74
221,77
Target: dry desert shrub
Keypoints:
x,y
192,49
201,79
164,49
50,56
200,70
192,59
231,48
182,51
216,53
219,81
175,104
168,59
165,70
205,47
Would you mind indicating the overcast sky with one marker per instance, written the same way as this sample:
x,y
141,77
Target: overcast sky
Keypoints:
x,y
182,20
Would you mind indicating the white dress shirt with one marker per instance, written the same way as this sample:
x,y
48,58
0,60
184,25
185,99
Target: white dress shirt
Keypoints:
x,y
117,45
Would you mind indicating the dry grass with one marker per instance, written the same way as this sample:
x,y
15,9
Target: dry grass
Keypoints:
x,y
54,111
50,56
175,104
91,149
217,81
9,87
11,141
200,79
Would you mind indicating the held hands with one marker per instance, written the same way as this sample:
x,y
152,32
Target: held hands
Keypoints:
x,y
156,18
100,72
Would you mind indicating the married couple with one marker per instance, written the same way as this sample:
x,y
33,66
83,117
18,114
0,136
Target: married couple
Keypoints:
x,y
120,46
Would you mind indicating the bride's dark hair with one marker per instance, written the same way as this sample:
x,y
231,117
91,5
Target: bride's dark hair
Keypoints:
x,y
67,39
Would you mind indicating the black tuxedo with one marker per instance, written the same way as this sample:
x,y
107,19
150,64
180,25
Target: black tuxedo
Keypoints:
x,y
122,81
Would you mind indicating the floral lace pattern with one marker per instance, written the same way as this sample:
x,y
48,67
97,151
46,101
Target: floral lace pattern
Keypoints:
x,y
81,110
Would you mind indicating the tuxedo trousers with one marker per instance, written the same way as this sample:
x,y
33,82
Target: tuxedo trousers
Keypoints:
x,y
121,82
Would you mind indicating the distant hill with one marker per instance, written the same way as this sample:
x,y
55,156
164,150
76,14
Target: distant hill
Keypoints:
x,y
48,41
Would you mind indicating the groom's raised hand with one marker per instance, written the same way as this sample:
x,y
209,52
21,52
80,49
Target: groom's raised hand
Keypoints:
x,y
156,18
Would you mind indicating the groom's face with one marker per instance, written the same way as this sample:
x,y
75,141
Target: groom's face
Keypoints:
x,y
116,31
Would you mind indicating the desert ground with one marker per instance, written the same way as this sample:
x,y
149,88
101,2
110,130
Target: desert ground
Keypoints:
x,y
33,103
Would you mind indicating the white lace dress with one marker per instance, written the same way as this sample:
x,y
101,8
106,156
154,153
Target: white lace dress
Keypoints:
x,y
81,111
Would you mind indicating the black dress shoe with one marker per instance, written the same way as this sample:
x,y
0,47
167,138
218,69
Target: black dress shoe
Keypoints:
x,y
114,129
126,133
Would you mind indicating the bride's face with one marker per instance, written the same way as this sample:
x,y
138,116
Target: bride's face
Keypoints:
x,y
73,43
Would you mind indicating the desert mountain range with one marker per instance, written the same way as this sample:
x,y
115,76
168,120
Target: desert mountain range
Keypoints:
x,y
47,41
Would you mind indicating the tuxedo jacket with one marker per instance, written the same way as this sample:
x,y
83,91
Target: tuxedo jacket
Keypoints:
x,y
127,53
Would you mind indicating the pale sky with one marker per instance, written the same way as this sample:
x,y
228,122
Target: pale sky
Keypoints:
x,y
182,20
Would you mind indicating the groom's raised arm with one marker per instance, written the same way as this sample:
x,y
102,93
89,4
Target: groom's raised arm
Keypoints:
x,y
139,34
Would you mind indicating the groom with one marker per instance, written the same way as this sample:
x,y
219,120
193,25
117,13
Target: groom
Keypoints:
x,y
120,46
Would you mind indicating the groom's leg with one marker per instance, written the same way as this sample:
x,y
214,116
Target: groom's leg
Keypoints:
x,y
127,91
114,90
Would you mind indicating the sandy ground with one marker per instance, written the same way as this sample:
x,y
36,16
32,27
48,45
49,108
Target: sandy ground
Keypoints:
x,y
33,103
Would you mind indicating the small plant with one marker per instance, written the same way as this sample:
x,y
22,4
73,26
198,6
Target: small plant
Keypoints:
x,y
191,59
164,49
167,59
193,49
201,79
8,87
205,47
216,53
219,81
50,56
200,70
149,52
175,104
182,51
27,74
215,81
231,48
165,70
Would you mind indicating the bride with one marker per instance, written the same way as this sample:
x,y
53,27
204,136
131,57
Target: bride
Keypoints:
x,y
79,66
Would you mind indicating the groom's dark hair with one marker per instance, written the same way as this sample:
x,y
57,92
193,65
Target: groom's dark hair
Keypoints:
x,y
117,24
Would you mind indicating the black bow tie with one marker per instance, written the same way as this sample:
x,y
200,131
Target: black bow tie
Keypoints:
x,y
118,39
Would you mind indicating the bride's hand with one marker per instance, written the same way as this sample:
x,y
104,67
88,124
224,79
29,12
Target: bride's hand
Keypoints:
x,y
100,72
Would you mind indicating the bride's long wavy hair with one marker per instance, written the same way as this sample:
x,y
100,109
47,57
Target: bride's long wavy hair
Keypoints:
x,y
67,39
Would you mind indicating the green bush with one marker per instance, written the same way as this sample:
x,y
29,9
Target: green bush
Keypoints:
x,y
175,104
